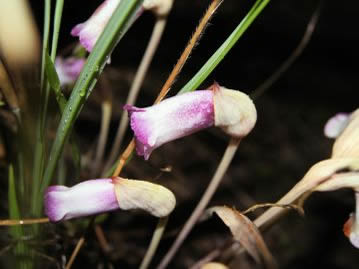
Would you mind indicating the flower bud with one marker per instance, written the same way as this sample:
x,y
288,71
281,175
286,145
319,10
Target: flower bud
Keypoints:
x,y
347,143
335,125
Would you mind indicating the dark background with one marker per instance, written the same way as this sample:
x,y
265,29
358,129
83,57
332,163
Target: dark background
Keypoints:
x,y
287,140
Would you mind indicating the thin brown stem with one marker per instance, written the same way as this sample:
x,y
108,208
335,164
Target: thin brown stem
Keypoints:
x,y
105,246
11,222
124,156
293,56
75,252
192,42
212,187
106,108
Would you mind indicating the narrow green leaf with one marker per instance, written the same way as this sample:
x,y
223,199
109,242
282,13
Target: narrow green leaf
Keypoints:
x,y
45,40
222,51
113,32
51,74
14,212
54,81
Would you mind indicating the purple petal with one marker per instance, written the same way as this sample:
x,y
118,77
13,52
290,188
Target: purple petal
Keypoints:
x,y
86,198
89,31
336,125
69,69
171,119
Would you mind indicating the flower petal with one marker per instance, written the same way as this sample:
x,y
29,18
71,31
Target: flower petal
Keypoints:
x,y
86,198
89,31
347,144
335,125
68,69
137,194
171,119
235,112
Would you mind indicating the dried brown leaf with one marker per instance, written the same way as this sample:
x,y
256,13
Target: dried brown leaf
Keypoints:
x,y
246,233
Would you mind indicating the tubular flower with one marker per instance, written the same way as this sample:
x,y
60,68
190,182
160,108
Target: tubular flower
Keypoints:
x,y
90,30
182,115
102,195
68,69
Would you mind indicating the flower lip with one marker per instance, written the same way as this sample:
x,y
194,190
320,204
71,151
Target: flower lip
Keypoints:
x,y
235,112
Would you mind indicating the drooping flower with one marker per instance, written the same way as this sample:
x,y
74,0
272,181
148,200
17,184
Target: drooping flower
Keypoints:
x,y
68,69
339,171
103,195
184,114
90,30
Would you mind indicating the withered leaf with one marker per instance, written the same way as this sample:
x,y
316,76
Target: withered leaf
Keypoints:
x,y
246,233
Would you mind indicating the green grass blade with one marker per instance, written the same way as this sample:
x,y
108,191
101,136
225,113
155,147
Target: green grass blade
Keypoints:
x,y
54,82
14,213
113,32
57,22
218,56
45,40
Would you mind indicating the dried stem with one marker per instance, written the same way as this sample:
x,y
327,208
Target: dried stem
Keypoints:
x,y
156,238
105,123
74,253
216,179
12,222
136,85
293,56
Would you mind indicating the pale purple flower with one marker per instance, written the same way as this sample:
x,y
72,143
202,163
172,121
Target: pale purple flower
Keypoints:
x,y
171,119
103,195
335,125
69,69
89,31
185,114
86,198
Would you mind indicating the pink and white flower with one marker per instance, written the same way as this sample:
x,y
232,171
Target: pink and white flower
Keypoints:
x,y
103,195
90,30
336,125
187,113
69,69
